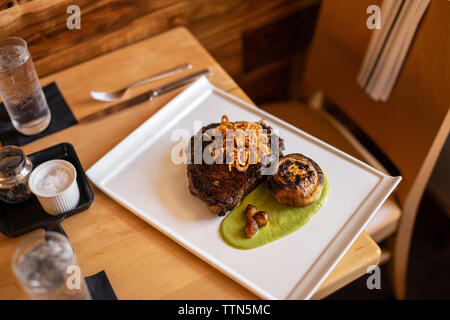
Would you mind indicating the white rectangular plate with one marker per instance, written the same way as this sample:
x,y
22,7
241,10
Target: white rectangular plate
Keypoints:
x,y
139,174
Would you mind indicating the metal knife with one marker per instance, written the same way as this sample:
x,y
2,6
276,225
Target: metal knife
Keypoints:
x,y
146,96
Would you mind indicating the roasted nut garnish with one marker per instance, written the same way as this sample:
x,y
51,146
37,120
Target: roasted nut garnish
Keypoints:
x,y
255,219
250,211
261,218
251,228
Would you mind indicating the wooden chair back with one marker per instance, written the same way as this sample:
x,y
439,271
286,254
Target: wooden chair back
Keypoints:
x,y
412,125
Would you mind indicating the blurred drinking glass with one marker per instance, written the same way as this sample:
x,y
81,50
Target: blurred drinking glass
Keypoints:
x,y
46,266
20,90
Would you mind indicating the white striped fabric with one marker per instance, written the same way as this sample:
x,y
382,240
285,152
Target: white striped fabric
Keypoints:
x,y
389,46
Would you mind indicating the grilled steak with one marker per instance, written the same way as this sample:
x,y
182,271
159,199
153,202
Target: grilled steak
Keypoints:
x,y
219,187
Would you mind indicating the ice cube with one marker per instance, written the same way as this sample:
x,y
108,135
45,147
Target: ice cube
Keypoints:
x,y
45,266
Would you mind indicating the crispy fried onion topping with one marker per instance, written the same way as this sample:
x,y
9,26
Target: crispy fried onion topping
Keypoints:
x,y
243,142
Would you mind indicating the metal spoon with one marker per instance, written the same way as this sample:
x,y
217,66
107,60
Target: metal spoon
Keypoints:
x,y
112,96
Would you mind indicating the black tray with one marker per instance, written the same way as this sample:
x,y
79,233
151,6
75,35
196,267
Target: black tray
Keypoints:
x,y
21,218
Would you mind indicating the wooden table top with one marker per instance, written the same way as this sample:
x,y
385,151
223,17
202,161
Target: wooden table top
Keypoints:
x,y
140,261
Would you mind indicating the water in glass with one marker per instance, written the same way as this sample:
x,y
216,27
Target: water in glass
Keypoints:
x,y
20,90
47,269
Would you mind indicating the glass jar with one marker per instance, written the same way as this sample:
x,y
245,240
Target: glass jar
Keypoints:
x,y
15,168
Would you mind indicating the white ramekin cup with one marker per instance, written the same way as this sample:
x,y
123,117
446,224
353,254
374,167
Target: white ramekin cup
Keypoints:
x,y
62,201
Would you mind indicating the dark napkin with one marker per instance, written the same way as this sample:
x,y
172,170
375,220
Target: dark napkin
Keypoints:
x,y
62,118
100,287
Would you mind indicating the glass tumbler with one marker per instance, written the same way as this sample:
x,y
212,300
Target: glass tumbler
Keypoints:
x,y
20,90
46,266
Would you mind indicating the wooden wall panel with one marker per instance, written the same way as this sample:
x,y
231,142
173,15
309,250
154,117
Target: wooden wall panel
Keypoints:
x,y
106,25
